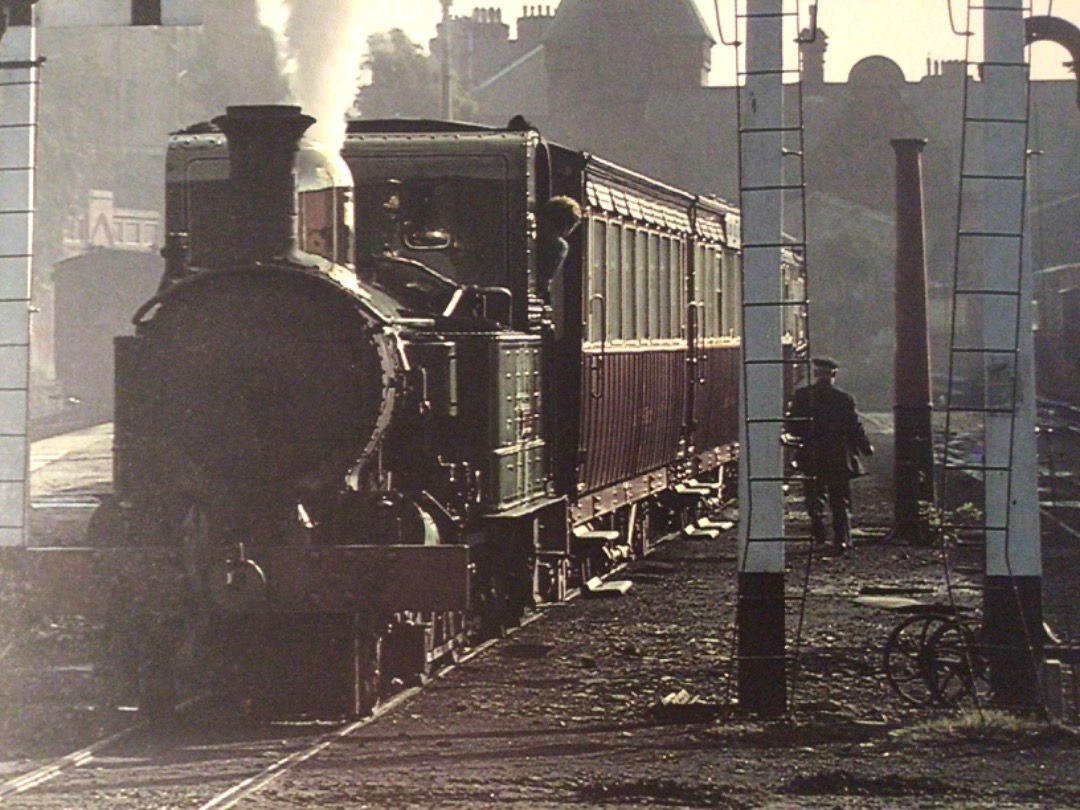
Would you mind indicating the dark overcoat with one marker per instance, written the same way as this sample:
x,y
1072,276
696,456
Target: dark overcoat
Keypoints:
x,y
829,434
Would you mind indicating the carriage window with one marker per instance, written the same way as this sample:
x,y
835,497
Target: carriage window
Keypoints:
x,y
677,281
597,275
664,285
629,290
733,312
641,271
709,290
613,290
701,285
718,297
653,296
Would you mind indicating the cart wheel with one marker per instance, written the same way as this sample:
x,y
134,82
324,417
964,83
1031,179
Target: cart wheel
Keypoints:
x,y
908,662
958,671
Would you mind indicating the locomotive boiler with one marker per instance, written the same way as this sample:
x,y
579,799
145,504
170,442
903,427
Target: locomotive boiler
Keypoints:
x,y
350,436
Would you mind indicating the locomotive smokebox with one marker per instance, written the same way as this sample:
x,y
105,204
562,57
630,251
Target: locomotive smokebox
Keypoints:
x,y
263,143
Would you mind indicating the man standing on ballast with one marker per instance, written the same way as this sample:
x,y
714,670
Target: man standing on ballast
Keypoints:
x,y
829,438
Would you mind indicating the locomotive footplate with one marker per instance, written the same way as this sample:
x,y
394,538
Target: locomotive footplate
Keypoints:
x,y
323,579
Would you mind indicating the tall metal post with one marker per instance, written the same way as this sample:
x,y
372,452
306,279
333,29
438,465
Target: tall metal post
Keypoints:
x,y
762,669
1012,597
447,56
913,460
19,69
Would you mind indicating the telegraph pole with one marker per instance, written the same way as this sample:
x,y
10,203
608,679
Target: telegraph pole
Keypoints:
x,y
447,82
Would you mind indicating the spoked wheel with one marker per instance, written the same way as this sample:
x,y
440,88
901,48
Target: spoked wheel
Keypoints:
x,y
958,671
908,657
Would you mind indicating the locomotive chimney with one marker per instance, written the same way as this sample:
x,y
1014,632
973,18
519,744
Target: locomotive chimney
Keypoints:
x,y
913,464
263,142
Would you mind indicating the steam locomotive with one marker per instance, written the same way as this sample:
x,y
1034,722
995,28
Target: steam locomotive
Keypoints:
x,y
352,438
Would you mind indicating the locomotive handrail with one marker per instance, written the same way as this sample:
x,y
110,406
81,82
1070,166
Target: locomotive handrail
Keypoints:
x,y
137,318
482,300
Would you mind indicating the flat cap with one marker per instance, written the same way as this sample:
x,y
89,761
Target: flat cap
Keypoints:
x,y
825,362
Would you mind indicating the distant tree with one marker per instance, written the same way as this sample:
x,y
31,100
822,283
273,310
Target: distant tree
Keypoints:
x,y
851,291
77,89
405,82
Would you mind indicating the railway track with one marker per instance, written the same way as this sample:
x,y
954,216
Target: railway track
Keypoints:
x,y
208,763
249,756
213,753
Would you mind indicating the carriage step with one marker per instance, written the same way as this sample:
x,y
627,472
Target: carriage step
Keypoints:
x,y
597,587
694,489
695,533
599,537
712,486
719,525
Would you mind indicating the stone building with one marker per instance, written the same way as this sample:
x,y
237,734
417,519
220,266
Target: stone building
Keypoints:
x,y
628,79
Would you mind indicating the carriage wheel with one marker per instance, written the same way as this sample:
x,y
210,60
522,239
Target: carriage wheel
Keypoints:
x,y
908,659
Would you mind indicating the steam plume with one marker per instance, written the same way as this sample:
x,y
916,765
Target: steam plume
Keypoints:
x,y
320,46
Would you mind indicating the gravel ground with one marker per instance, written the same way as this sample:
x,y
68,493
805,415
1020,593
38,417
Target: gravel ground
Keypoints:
x,y
565,714
568,711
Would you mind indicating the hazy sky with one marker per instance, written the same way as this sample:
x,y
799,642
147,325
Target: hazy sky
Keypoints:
x,y
907,31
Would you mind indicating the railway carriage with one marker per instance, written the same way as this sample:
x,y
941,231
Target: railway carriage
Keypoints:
x,y
351,438
641,343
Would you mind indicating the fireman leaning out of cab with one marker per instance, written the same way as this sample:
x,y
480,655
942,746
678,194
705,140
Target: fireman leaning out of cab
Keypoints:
x,y
556,220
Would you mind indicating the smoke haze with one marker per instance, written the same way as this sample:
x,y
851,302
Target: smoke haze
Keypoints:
x,y
320,44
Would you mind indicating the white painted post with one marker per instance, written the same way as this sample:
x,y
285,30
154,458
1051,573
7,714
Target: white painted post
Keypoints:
x,y
1012,595
18,122
762,676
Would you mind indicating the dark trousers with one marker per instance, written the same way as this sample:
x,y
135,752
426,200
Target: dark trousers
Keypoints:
x,y
836,490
